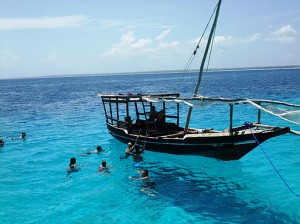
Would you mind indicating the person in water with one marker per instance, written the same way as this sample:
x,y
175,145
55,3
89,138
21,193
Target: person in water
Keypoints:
x,y
103,167
23,136
137,157
1,142
129,150
72,166
144,173
97,151
148,186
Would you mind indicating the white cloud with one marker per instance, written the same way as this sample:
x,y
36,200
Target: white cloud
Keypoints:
x,y
123,47
229,40
141,43
130,45
221,39
163,35
222,43
41,23
251,38
283,35
285,30
168,45
8,56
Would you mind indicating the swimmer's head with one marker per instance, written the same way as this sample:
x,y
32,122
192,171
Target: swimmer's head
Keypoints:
x,y
23,134
145,173
72,161
103,163
129,144
99,148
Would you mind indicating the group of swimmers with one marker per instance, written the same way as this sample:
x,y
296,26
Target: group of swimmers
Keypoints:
x,y
23,136
73,168
132,150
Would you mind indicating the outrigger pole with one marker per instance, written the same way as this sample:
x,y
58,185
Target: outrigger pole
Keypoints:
x,y
213,28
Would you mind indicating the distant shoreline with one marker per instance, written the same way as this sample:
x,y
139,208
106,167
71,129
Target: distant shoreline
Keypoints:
x,y
157,72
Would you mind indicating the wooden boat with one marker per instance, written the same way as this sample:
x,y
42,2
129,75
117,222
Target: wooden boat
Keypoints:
x,y
131,117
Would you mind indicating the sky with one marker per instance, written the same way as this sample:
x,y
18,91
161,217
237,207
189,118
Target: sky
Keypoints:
x,y
73,37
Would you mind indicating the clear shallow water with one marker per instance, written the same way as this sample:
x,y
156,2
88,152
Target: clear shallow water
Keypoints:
x,y
63,116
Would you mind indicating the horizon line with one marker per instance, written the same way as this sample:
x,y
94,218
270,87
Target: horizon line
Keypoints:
x,y
155,72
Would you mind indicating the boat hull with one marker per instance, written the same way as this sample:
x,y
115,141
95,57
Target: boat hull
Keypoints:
x,y
223,147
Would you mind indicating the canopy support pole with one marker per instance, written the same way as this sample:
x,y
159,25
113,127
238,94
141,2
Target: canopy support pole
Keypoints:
x,y
231,119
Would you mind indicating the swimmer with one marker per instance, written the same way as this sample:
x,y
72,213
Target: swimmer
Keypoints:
x,y
129,150
148,186
137,157
103,167
144,173
72,166
23,136
1,142
97,151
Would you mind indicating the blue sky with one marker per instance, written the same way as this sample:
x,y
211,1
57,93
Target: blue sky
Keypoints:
x,y
65,37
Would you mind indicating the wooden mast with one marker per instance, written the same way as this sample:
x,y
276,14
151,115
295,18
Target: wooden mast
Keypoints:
x,y
203,63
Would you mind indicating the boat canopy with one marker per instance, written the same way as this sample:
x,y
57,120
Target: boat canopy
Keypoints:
x,y
285,111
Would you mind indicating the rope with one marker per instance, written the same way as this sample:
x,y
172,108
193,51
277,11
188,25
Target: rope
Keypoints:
x,y
208,61
187,66
247,124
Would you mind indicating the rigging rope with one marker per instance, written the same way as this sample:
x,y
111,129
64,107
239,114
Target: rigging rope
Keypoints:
x,y
187,66
247,124
208,61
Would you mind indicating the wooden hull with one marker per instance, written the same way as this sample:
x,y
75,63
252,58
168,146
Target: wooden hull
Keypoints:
x,y
216,145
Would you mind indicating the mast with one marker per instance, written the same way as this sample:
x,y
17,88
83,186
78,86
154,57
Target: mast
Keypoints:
x,y
213,28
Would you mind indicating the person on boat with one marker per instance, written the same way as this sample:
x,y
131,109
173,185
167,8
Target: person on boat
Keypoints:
x,y
1,142
128,124
103,167
72,166
160,119
152,113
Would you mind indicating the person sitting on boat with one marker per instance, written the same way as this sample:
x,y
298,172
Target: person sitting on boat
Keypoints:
x,y
152,113
160,119
103,167
128,124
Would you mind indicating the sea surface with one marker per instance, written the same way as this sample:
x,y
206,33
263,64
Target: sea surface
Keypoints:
x,y
63,118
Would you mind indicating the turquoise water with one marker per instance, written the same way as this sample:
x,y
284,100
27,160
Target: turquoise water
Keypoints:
x,y
63,117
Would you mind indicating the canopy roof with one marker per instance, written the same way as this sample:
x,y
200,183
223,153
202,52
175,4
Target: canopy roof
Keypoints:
x,y
288,112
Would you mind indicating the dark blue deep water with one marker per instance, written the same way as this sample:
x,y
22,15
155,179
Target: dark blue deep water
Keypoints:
x,y
63,117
